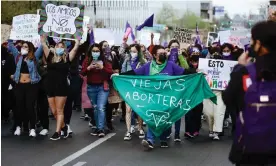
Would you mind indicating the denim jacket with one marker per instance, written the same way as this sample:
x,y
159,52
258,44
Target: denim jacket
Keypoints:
x,y
35,77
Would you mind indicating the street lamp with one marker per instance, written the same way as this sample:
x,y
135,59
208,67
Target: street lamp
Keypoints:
x,y
215,27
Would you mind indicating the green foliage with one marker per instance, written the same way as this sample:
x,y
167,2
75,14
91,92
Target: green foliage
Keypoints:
x,y
9,9
168,17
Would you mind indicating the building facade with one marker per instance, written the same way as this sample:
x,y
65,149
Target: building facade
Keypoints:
x,y
113,14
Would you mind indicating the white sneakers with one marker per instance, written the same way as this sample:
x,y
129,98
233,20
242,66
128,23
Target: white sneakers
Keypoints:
x,y
44,132
17,131
127,136
141,134
69,130
216,136
32,133
132,129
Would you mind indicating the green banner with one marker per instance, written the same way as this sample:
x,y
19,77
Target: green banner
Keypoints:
x,y
162,100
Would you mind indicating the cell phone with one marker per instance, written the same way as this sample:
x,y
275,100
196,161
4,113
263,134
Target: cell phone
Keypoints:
x,y
173,55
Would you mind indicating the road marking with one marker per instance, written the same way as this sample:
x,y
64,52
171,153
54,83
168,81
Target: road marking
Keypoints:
x,y
83,150
80,164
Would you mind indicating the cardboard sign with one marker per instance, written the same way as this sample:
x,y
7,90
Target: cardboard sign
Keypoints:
x,y
63,20
183,35
25,27
86,21
218,72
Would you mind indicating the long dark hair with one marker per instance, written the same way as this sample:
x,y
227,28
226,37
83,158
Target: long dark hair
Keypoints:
x,y
88,53
140,54
101,44
31,48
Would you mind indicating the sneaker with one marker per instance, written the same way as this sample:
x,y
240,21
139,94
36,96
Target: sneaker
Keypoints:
x,y
17,131
196,134
188,135
55,137
216,136
91,125
95,132
141,134
82,116
86,117
32,133
203,118
211,134
177,138
69,130
132,129
144,124
164,144
225,124
147,145
127,136
44,132
61,133
65,131
168,137
101,134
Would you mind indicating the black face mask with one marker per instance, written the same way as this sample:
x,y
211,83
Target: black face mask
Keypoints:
x,y
162,58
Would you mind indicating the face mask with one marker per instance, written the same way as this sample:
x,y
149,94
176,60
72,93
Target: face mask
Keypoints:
x,y
133,55
162,58
95,55
60,51
24,52
195,65
226,53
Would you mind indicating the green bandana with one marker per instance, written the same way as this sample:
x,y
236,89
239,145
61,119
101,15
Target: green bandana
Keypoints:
x,y
156,68
162,100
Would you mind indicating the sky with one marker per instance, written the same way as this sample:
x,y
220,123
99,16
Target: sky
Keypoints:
x,y
240,6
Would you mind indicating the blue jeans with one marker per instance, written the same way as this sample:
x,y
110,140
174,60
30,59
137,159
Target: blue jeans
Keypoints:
x,y
98,98
177,125
163,137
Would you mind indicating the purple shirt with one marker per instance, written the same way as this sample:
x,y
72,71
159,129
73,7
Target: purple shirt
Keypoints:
x,y
171,69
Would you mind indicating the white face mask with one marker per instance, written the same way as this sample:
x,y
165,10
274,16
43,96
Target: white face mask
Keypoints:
x,y
24,52
226,53
134,55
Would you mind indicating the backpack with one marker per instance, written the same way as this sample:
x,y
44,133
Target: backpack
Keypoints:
x,y
256,125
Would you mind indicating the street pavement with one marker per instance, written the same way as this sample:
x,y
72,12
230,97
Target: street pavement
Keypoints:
x,y
86,150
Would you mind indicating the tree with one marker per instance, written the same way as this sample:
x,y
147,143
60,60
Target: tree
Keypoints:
x,y
190,19
14,8
166,15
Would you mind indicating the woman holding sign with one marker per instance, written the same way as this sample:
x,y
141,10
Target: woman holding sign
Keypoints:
x,y
158,66
58,63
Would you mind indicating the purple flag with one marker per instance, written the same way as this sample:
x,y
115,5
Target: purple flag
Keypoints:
x,y
147,23
131,33
92,39
197,41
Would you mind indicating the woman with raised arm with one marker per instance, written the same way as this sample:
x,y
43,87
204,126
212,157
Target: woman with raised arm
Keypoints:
x,y
26,78
57,82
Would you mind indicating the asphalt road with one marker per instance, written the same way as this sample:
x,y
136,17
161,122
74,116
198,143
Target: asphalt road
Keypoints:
x,y
86,150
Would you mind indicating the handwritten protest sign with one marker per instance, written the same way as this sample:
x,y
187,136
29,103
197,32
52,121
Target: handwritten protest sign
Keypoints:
x,y
25,27
218,72
162,100
61,19
183,35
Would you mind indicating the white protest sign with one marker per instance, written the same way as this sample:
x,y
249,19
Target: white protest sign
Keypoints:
x,y
218,72
25,27
85,24
145,38
224,36
61,19
183,35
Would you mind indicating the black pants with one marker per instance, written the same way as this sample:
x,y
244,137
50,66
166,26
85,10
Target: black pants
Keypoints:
x,y
123,106
90,113
7,101
76,84
193,119
43,106
109,109
73,94
233,114
26,95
